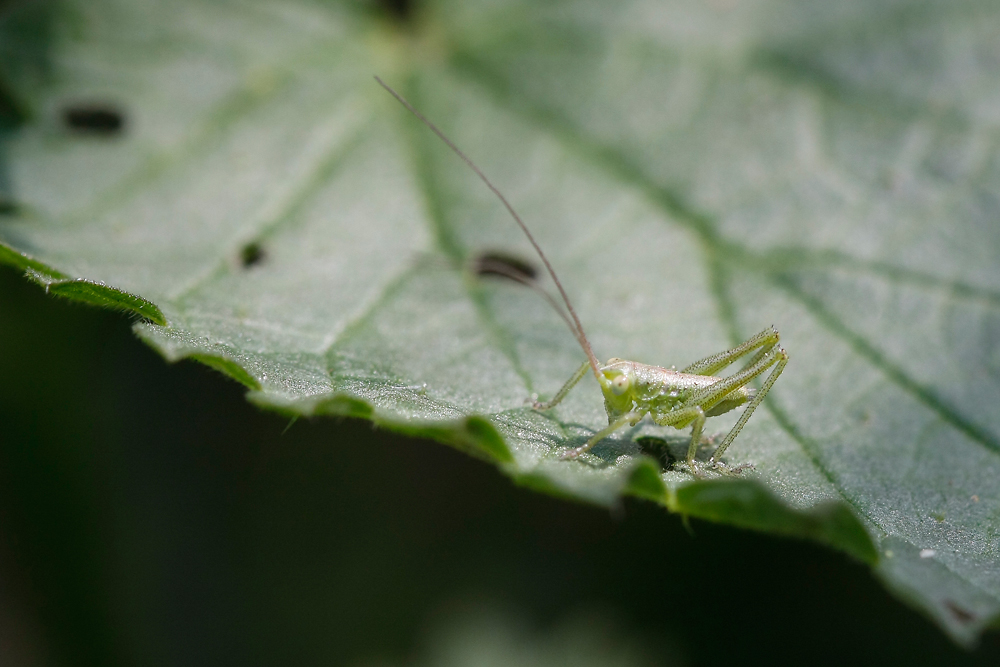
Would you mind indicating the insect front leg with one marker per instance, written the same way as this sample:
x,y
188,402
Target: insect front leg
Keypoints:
x,y
629,418
561,394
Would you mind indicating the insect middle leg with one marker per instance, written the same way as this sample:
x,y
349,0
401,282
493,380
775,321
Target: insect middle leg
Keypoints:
x,y
681,417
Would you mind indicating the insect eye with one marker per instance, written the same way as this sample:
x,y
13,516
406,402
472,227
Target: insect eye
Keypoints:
x,y
619,385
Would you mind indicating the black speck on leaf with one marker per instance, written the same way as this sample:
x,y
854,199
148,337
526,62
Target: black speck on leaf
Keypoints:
x,y
251,255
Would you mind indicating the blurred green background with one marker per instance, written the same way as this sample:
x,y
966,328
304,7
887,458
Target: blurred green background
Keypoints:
x,y
150,516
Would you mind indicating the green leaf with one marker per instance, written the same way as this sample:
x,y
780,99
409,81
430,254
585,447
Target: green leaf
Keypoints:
x,y
696,172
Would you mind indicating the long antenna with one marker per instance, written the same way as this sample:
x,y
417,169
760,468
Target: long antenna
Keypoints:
x,y
578,329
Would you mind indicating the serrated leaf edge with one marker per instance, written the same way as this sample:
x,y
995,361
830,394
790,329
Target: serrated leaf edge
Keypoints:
x,y
93,292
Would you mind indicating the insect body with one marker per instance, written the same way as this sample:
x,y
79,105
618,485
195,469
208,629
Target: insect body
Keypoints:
x,y
633,390
682,398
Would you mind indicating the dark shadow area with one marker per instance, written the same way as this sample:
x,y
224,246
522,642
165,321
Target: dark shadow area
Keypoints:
x,y
11,116
150,515
399,10
25,33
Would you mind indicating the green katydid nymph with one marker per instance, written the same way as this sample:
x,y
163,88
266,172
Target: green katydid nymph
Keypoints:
x,y
633,390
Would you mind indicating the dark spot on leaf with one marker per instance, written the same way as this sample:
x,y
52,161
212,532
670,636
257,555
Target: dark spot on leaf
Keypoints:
x,y
962,615
251,255
491,263
8,207
400,10
103,120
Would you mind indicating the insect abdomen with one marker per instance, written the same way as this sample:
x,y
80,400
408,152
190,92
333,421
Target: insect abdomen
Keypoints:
x,y
662,389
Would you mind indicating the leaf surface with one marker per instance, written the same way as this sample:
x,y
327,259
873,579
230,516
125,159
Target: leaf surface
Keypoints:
x,y
695,171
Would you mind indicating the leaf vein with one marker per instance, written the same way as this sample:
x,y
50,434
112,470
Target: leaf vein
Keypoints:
x,y
924,394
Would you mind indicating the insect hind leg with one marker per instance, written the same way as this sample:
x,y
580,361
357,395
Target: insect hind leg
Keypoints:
x,y
779,359
763,342
769,356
